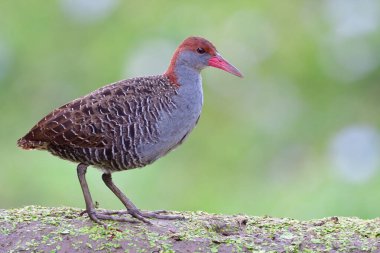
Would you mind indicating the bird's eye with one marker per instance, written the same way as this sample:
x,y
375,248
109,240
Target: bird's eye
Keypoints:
x,y
201,50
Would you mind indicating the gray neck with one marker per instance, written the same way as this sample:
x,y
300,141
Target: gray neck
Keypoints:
x,y
188,73
190,85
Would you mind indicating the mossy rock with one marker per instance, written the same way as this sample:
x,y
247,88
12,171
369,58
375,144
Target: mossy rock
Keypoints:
x,y
63,229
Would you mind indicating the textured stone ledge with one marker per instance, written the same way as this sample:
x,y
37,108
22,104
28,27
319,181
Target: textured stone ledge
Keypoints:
x,y
62,229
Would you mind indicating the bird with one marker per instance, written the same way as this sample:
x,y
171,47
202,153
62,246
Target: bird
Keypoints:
x,y
129,124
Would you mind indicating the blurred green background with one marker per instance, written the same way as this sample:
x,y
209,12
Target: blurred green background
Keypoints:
x,y
297,137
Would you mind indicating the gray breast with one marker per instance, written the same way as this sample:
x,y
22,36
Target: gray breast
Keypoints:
x,y
174,125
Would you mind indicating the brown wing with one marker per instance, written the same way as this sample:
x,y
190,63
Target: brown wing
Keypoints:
x,y
74,124
83,122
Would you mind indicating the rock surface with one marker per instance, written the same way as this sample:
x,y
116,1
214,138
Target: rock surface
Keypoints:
x,y
62,229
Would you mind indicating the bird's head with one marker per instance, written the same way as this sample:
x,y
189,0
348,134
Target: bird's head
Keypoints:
x,y
198,53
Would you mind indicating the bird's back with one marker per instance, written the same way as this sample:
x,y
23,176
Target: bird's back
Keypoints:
x,y
117,127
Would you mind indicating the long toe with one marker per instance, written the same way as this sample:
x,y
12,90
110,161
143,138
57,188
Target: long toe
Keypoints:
x,y
158,211
159,215
97,216
138,215
113,212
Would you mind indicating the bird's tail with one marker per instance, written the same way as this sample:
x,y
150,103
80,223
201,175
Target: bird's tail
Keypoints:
x,y
28,144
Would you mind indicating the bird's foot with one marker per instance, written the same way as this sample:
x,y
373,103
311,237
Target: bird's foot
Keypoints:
x,y
142,215
97,216
115,215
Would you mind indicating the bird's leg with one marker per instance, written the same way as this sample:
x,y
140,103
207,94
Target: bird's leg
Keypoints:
x,y
131,208
90,209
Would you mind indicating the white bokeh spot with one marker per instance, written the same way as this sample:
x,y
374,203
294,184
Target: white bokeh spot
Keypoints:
x,y
354,153
353,18
88,11
150,58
